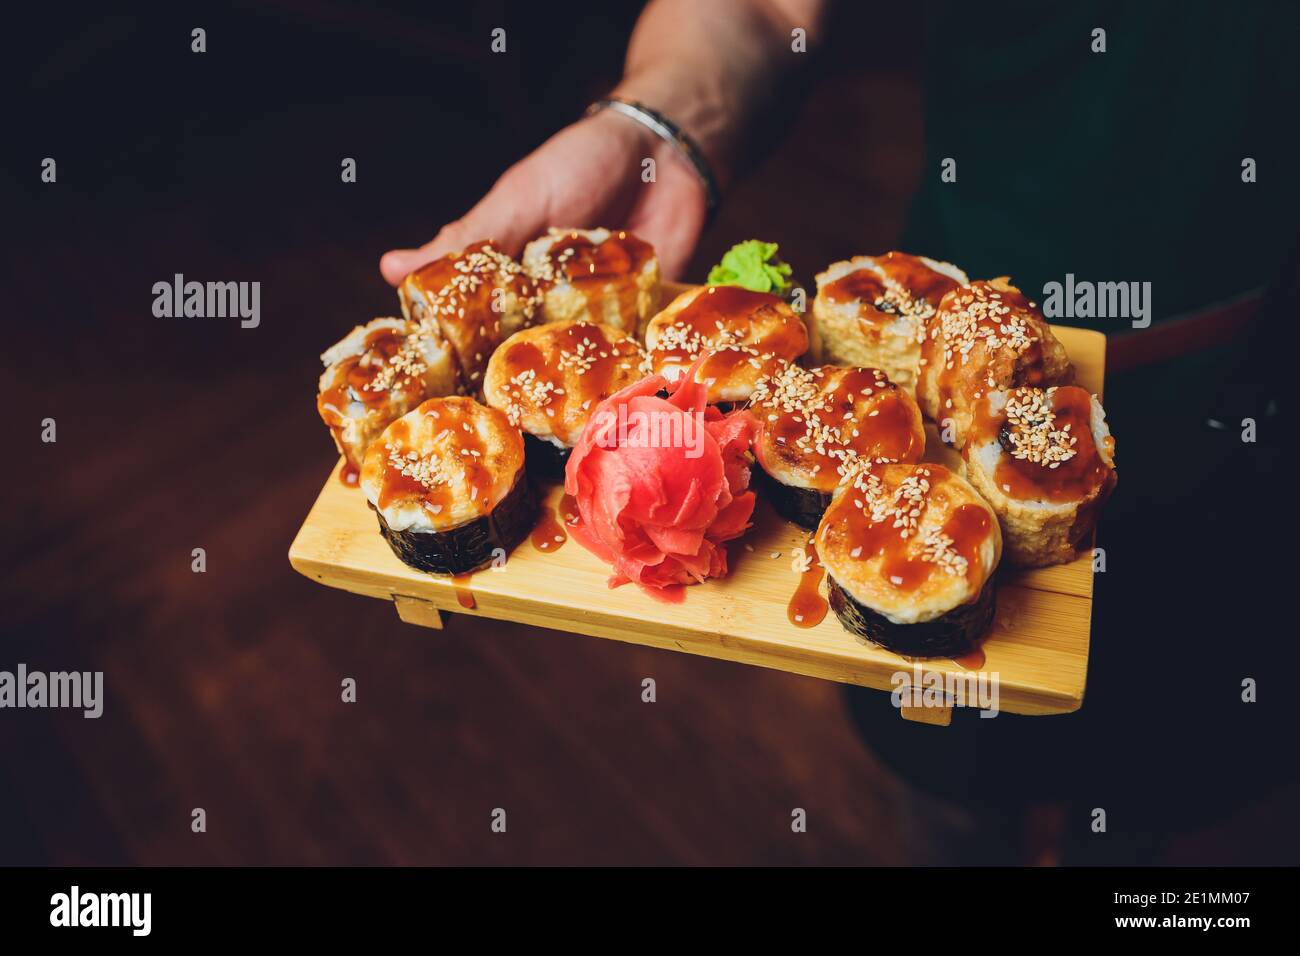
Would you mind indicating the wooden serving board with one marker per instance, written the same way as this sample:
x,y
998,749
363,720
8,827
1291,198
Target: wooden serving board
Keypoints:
x,y
1038,644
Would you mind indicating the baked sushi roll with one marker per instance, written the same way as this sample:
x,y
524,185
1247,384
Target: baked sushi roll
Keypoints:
x,y
548,379
448,484
748,336
1045,461
377,373
909,552
985,336
594,275
872,310
475,299
814,424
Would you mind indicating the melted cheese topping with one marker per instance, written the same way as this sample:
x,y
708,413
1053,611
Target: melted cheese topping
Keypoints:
x,y
910,541
748,336
549,378
595,275
893,288
1046,448
984,337
447,462
376,373
474,298
814,424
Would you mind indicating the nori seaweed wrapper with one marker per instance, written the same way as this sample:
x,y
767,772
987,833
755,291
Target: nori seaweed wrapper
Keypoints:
x,y
470,546
958,632
544,460
803,506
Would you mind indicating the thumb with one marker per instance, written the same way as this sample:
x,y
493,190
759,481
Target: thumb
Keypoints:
x,y
673,225
508,215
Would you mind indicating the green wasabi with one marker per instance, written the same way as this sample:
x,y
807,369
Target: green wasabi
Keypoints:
x,y
753,265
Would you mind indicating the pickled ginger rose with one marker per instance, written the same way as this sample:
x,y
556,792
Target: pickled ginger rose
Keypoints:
x,y
661,483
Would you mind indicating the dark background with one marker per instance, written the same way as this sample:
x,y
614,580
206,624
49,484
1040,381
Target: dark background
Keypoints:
x,y
223,688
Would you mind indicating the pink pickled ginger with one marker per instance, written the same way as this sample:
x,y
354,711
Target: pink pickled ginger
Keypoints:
x,y
661,484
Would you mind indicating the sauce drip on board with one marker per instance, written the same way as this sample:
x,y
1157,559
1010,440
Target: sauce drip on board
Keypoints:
x,y
549,536
807,608
971,661
464,596
568,510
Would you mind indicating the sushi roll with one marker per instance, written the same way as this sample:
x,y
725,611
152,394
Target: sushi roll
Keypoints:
x,y
377,373
813,424
595,275
750,335
984,337
448,484
548,379
872,310
475,299
909,552
1045,461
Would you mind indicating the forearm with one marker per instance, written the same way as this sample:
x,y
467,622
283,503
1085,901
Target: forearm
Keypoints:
x,y
714,67
711,65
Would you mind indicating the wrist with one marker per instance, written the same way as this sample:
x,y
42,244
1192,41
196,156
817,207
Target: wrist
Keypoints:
x,y
701,117
689,157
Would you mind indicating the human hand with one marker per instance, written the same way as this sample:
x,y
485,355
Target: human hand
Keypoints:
x,y
589,174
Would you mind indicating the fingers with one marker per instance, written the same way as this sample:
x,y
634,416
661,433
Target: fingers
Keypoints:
x,y
674,239
571,180
671,219
396,264
509,214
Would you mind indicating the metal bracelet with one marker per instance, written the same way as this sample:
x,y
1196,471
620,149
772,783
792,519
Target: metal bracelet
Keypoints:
x,y
670,133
